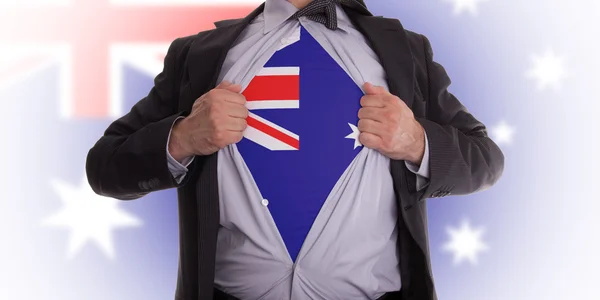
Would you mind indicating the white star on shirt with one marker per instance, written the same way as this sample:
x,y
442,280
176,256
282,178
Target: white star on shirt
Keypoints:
x,y
465,243
502,133
89,217
548,70
354,135
469,5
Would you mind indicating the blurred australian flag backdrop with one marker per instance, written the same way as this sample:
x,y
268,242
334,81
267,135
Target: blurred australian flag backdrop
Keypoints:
x,y
526,69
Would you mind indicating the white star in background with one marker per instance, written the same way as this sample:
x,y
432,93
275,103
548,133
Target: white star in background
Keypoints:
x,y
502,133
548,70
89,217
465,243
354,135
469,5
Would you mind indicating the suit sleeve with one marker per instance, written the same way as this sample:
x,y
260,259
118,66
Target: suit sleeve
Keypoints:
x,y
178,170
129,160
422,170
462,158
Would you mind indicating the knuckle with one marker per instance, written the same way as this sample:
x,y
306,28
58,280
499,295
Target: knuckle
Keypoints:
x,y
241,98
389,115
364,100
361,113
215,108
362,137
361,125
214,120
239,137
213,93
217,136
219,139
199,103
209,95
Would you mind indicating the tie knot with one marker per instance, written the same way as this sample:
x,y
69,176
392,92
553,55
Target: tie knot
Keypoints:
x,y
322,11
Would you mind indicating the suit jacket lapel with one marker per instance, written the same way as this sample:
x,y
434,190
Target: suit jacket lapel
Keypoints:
x,y
204,61
208,51
389,41
386,36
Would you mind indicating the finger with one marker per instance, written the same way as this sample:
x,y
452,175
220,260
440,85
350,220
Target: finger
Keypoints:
x,y
372,101
234,88
371,113
371,89
226,85
234,98
236,110
235,124
371,126
237,137
229,137
223,84
370,140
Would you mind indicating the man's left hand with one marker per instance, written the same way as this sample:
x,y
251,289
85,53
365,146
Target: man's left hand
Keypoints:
x,y
389,126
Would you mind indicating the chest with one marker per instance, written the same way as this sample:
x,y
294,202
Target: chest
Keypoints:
x,y
303,108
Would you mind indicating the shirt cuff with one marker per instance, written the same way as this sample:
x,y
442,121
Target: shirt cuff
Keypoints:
x,y
177,169
421,171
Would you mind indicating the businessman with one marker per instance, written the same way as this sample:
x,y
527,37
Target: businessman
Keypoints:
x,y
303,140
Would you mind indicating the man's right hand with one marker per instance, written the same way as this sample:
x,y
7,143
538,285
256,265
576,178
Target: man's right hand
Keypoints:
x,y
218,119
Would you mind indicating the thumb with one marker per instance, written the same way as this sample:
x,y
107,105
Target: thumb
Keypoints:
x,y
226,85
371,89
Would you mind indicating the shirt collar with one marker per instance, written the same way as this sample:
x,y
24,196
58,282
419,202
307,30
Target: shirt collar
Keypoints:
x,y
278,11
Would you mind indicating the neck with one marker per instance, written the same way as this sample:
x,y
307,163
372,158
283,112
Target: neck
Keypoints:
x,y
300,4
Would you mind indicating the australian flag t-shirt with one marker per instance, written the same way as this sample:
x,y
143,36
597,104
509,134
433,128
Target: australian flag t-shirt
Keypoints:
x,y
301,134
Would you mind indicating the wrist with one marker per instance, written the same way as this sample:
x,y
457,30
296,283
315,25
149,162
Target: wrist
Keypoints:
x,y
416,159
417,154
177,147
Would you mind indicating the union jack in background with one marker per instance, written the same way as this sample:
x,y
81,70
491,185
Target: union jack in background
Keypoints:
x,y
528,70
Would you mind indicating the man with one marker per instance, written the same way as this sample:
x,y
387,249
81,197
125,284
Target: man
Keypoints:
x,y
303,141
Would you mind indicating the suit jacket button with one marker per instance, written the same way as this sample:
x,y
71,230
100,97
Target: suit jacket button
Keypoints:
x,y
153,183
143,185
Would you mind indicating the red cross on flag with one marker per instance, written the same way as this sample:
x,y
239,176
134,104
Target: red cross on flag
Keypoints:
x,y
92,39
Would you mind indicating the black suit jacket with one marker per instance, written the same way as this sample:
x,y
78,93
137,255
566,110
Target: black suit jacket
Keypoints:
x,y
130,161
